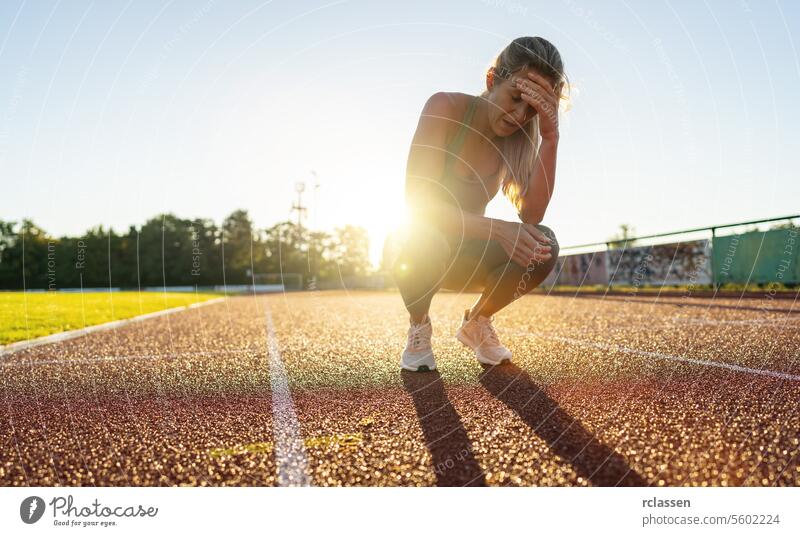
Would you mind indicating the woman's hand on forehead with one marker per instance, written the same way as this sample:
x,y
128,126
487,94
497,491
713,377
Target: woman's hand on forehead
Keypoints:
x,y
536,77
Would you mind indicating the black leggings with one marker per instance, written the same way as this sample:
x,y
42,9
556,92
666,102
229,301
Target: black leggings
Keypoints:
x,y
428,261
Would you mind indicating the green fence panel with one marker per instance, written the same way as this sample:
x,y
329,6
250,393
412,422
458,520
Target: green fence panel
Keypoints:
x,y
757,257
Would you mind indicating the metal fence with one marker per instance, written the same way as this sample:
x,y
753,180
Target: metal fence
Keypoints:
x,y
771,256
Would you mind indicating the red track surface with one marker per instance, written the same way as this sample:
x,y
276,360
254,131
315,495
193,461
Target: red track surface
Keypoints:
x,y
613,391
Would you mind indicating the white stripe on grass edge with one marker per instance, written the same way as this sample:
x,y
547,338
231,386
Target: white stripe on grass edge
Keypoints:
x,y
290,452
659,355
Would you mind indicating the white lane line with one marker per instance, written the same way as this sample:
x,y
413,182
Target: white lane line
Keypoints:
x,y
290,452
668,357
66,335
113,358
700,322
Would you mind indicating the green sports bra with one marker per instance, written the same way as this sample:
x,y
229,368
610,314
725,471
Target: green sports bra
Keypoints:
x,y
452,184
454,147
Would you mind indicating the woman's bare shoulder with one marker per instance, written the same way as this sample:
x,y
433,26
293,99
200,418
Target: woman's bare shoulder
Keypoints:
x,y
443,113
447,104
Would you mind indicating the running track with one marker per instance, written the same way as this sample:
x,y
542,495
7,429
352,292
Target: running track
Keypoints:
x,y
304,389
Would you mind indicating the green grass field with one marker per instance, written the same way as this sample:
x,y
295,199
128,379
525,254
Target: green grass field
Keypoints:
x,y
35,314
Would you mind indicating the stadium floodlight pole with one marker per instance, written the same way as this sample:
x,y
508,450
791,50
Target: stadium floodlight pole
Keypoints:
x,y
314,200
299,187
313,269
714,278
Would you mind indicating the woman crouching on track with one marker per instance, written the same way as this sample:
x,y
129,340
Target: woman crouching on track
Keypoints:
x,y
465,149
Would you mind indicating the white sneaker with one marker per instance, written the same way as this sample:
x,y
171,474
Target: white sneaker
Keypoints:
x,y
479,334
418,354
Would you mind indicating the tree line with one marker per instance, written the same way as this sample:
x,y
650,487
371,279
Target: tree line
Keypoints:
x,y
171,251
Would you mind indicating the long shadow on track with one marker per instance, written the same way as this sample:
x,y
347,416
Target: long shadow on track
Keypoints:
x,y
564,435
445,436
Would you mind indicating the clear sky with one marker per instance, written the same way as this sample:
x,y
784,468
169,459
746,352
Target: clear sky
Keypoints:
x,y
685,113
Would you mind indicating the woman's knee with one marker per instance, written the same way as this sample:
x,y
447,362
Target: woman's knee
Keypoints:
x,y
554,246
425,252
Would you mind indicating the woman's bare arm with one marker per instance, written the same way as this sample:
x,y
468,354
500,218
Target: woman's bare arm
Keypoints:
x,y
540,93
540,190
